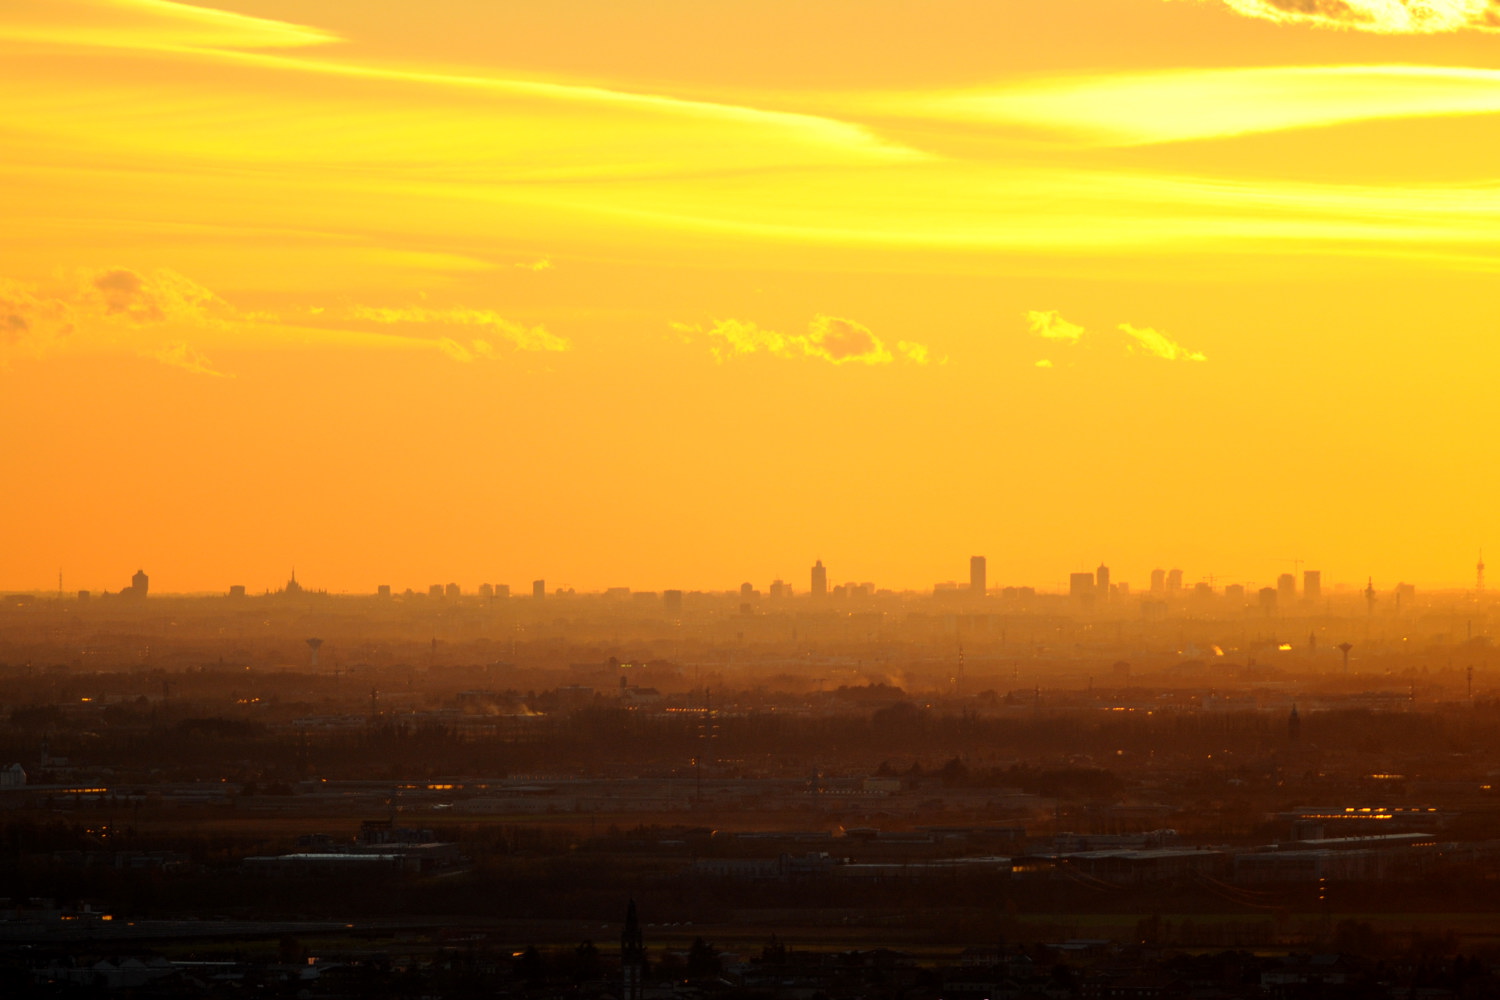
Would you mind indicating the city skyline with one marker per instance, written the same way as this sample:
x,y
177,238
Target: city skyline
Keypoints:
x,y
822,580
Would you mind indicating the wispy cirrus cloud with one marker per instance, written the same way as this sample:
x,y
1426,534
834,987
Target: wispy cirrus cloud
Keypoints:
x,y
1127,339
1186,104
150,24
1389,17
828,338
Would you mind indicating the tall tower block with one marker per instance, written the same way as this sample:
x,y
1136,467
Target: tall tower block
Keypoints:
x,y
819,579
1312,584
632,957
978,582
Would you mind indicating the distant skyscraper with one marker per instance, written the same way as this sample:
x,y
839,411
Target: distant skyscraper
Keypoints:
x,y
632,957
1101,581
502,591
435,590
384,590
1312,584
539,589
977,574
1174,581
1081,585
139,584
1268,600
819,579
1286,588
451,591
1158,581
671,602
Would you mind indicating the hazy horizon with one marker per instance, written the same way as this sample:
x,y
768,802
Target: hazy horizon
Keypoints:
x,y
521,587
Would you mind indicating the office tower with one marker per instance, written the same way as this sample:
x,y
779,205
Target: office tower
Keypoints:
x,y
977,581
384,590
819,579
1286,588
435,590
1312,584
539,589
632,957
1174,581
1081,585
237,590
486,591
1268,600
1158,581
451,591
502,591
671,602
1101,581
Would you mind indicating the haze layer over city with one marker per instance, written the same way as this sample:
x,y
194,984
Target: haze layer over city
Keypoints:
x,y
854,500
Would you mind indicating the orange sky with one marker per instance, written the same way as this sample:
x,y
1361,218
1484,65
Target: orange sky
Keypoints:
x,y
679,294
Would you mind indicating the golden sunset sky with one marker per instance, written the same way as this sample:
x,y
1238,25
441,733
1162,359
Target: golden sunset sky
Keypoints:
x,y
687,292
